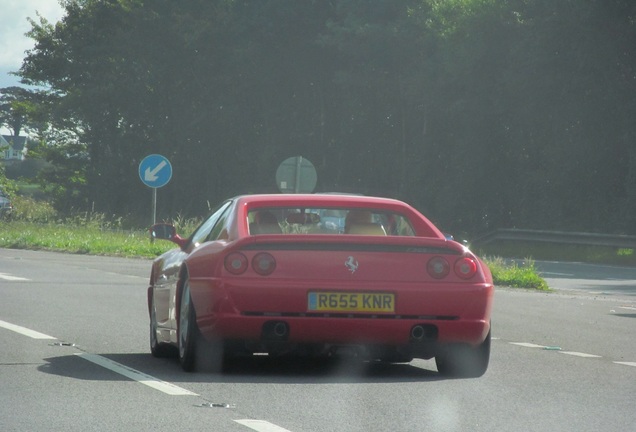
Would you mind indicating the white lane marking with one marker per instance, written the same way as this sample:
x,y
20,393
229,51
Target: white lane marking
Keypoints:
x,y
12,278
580,354
527,345
626,363
573,353
135,375
25,331
261,426
131,373
627,307
555,274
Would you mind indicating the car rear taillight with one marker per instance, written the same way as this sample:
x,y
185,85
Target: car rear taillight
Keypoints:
x,y
236,263
465,267
438,267
263,263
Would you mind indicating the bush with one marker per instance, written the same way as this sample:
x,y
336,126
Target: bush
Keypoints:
x,y
509,273
28,209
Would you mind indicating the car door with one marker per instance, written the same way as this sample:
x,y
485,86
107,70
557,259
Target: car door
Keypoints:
x,y
165,287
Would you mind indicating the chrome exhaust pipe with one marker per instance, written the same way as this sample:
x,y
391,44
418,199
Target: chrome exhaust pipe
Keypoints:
x,y
275,330
418,333
281,329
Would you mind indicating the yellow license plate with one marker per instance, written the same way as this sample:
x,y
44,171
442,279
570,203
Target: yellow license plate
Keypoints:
x,y
351,302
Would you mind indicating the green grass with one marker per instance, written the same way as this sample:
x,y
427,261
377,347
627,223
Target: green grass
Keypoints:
x,y
79,239
511,274
560,252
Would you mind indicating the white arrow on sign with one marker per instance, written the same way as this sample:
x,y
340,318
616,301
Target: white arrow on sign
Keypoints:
x,y
151,175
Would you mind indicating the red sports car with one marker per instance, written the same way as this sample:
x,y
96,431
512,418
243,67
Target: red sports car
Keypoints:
x,y
312,274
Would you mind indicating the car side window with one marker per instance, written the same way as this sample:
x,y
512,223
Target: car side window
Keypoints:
x,y
219,231
201,234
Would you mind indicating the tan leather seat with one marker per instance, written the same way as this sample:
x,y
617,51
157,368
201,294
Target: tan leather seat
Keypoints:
x,y
368,228
265,223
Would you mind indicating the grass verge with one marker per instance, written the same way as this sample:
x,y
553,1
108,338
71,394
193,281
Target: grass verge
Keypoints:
x,y
560,252
79,239
511,274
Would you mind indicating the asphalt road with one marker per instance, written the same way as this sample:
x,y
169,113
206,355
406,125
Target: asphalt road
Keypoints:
x,y
74,357
589,278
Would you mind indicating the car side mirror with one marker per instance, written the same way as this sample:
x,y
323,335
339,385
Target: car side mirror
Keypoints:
x,y
163,231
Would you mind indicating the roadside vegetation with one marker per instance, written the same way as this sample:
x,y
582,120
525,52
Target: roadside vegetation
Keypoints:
x,y
87,239
514,274
561,252
37,225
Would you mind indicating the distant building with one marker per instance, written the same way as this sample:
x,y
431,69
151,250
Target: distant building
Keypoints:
x,y
13,148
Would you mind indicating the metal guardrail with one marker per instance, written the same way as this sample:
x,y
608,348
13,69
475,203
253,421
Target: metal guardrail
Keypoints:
x,y
560,237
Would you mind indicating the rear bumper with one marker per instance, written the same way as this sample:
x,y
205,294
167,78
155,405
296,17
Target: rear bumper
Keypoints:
x,y
328,330
451,313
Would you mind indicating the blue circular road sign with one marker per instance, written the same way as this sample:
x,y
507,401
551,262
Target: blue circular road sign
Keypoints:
x,y
155,171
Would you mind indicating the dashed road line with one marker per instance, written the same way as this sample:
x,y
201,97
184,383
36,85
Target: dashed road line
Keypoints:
x,y
25,331
9,277
556,274
626,363
572,353
135,375
261,426
580,354
527,345
113,366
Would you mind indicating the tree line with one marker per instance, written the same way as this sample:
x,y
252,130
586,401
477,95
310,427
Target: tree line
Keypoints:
x,y
483,114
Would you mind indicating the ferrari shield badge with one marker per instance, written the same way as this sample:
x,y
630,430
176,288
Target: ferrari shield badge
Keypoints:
x,y
351,264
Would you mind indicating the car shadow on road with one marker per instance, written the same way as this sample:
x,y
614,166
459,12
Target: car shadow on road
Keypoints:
x,y
339,369
254,369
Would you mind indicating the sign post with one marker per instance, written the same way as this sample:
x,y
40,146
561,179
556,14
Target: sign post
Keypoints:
x,y
155,171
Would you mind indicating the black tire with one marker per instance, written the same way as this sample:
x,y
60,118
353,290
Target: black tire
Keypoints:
x,y
187,331
464,361
195,353
159,350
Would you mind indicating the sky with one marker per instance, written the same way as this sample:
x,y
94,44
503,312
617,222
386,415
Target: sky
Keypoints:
x,y
13,42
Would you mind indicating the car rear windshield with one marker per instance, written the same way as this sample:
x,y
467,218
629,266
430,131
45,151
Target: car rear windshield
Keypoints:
x,y
352,221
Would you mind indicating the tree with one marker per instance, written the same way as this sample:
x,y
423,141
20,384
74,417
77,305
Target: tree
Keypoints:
x,y
483,113
19,109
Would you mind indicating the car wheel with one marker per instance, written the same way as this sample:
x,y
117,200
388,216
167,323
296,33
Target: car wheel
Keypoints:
x,y
195,353
464,361
187,330
157,349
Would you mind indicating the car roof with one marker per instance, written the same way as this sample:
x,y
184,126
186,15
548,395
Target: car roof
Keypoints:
x,y
421,224
326,199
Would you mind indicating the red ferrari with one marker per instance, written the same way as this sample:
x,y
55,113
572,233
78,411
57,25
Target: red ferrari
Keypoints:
x,y
313,274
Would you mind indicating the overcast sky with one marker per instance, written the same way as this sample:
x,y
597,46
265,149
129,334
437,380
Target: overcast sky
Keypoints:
x,y
13,42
